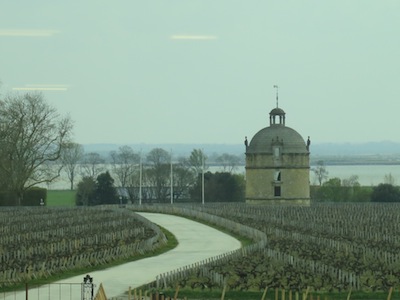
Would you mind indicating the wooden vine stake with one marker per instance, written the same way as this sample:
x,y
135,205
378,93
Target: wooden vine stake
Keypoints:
x,y
306,293
101,295
135,296
223,293
349,295
176,292
265,293
390,293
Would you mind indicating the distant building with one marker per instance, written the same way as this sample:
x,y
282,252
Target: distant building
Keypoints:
x,y
277,164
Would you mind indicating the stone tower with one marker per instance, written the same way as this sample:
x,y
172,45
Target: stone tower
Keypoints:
x,y
277,164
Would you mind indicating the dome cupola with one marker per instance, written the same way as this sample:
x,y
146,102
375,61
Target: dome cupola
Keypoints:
x,y
277,117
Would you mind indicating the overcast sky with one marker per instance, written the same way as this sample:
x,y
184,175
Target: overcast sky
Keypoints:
x,y
203,71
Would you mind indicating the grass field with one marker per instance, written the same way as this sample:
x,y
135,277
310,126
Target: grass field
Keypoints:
x,y
61,198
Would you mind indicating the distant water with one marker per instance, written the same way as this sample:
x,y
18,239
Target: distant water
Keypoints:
x,y
368,175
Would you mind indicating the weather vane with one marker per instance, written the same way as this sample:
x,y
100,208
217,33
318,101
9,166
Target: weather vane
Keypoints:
x,y
276,87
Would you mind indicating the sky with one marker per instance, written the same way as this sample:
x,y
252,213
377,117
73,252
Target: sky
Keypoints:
x,y
203,71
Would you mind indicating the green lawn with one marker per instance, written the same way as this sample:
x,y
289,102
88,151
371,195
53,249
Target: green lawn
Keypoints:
x,y
60,198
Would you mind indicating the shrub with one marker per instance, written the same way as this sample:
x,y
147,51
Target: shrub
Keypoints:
x,y
385,192
85,191
220,187
94,192
34,196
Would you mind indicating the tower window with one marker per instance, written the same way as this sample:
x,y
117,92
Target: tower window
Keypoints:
x,y
277,191
276,151
277,175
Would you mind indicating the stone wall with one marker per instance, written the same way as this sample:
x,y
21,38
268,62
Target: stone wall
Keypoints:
x,y
294,178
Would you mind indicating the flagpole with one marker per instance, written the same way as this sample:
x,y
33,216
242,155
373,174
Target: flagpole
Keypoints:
x,y
277,101
140,180
172,183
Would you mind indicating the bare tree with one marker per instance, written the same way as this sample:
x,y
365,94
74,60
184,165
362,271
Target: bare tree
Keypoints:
x,y
33,135
92,165
124,164
352,181
133,185
321,172
71,155
158,173
389,179
229,162
183,179
197,160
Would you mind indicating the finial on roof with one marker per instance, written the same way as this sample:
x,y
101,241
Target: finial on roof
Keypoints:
x,y
277,96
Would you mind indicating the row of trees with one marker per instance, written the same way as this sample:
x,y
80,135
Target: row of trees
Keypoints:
x,y
124,162
36,145
155,177
350,190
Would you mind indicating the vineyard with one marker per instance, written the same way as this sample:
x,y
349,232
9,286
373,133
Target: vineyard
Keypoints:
x,y
325,247
38,242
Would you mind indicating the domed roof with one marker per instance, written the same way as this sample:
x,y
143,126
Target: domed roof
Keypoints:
x,y
290,139
277,111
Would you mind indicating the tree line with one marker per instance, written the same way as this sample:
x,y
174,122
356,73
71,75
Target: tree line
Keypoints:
x,y
154,177
36,146
350,190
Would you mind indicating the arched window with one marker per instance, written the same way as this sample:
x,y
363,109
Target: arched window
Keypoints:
x,y
277,152
277,175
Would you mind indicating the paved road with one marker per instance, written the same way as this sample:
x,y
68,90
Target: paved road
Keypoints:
x,y
196,243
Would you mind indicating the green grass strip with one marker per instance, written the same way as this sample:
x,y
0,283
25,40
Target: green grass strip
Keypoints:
x,y
214,294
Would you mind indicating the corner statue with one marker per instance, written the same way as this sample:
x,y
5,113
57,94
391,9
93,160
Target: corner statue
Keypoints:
x,y
245,141
308,144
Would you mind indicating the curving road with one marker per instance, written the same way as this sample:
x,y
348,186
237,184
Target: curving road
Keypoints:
x,y
196,243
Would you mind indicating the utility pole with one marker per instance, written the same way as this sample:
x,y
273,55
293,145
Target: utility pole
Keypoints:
x,y
202,177
172,183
